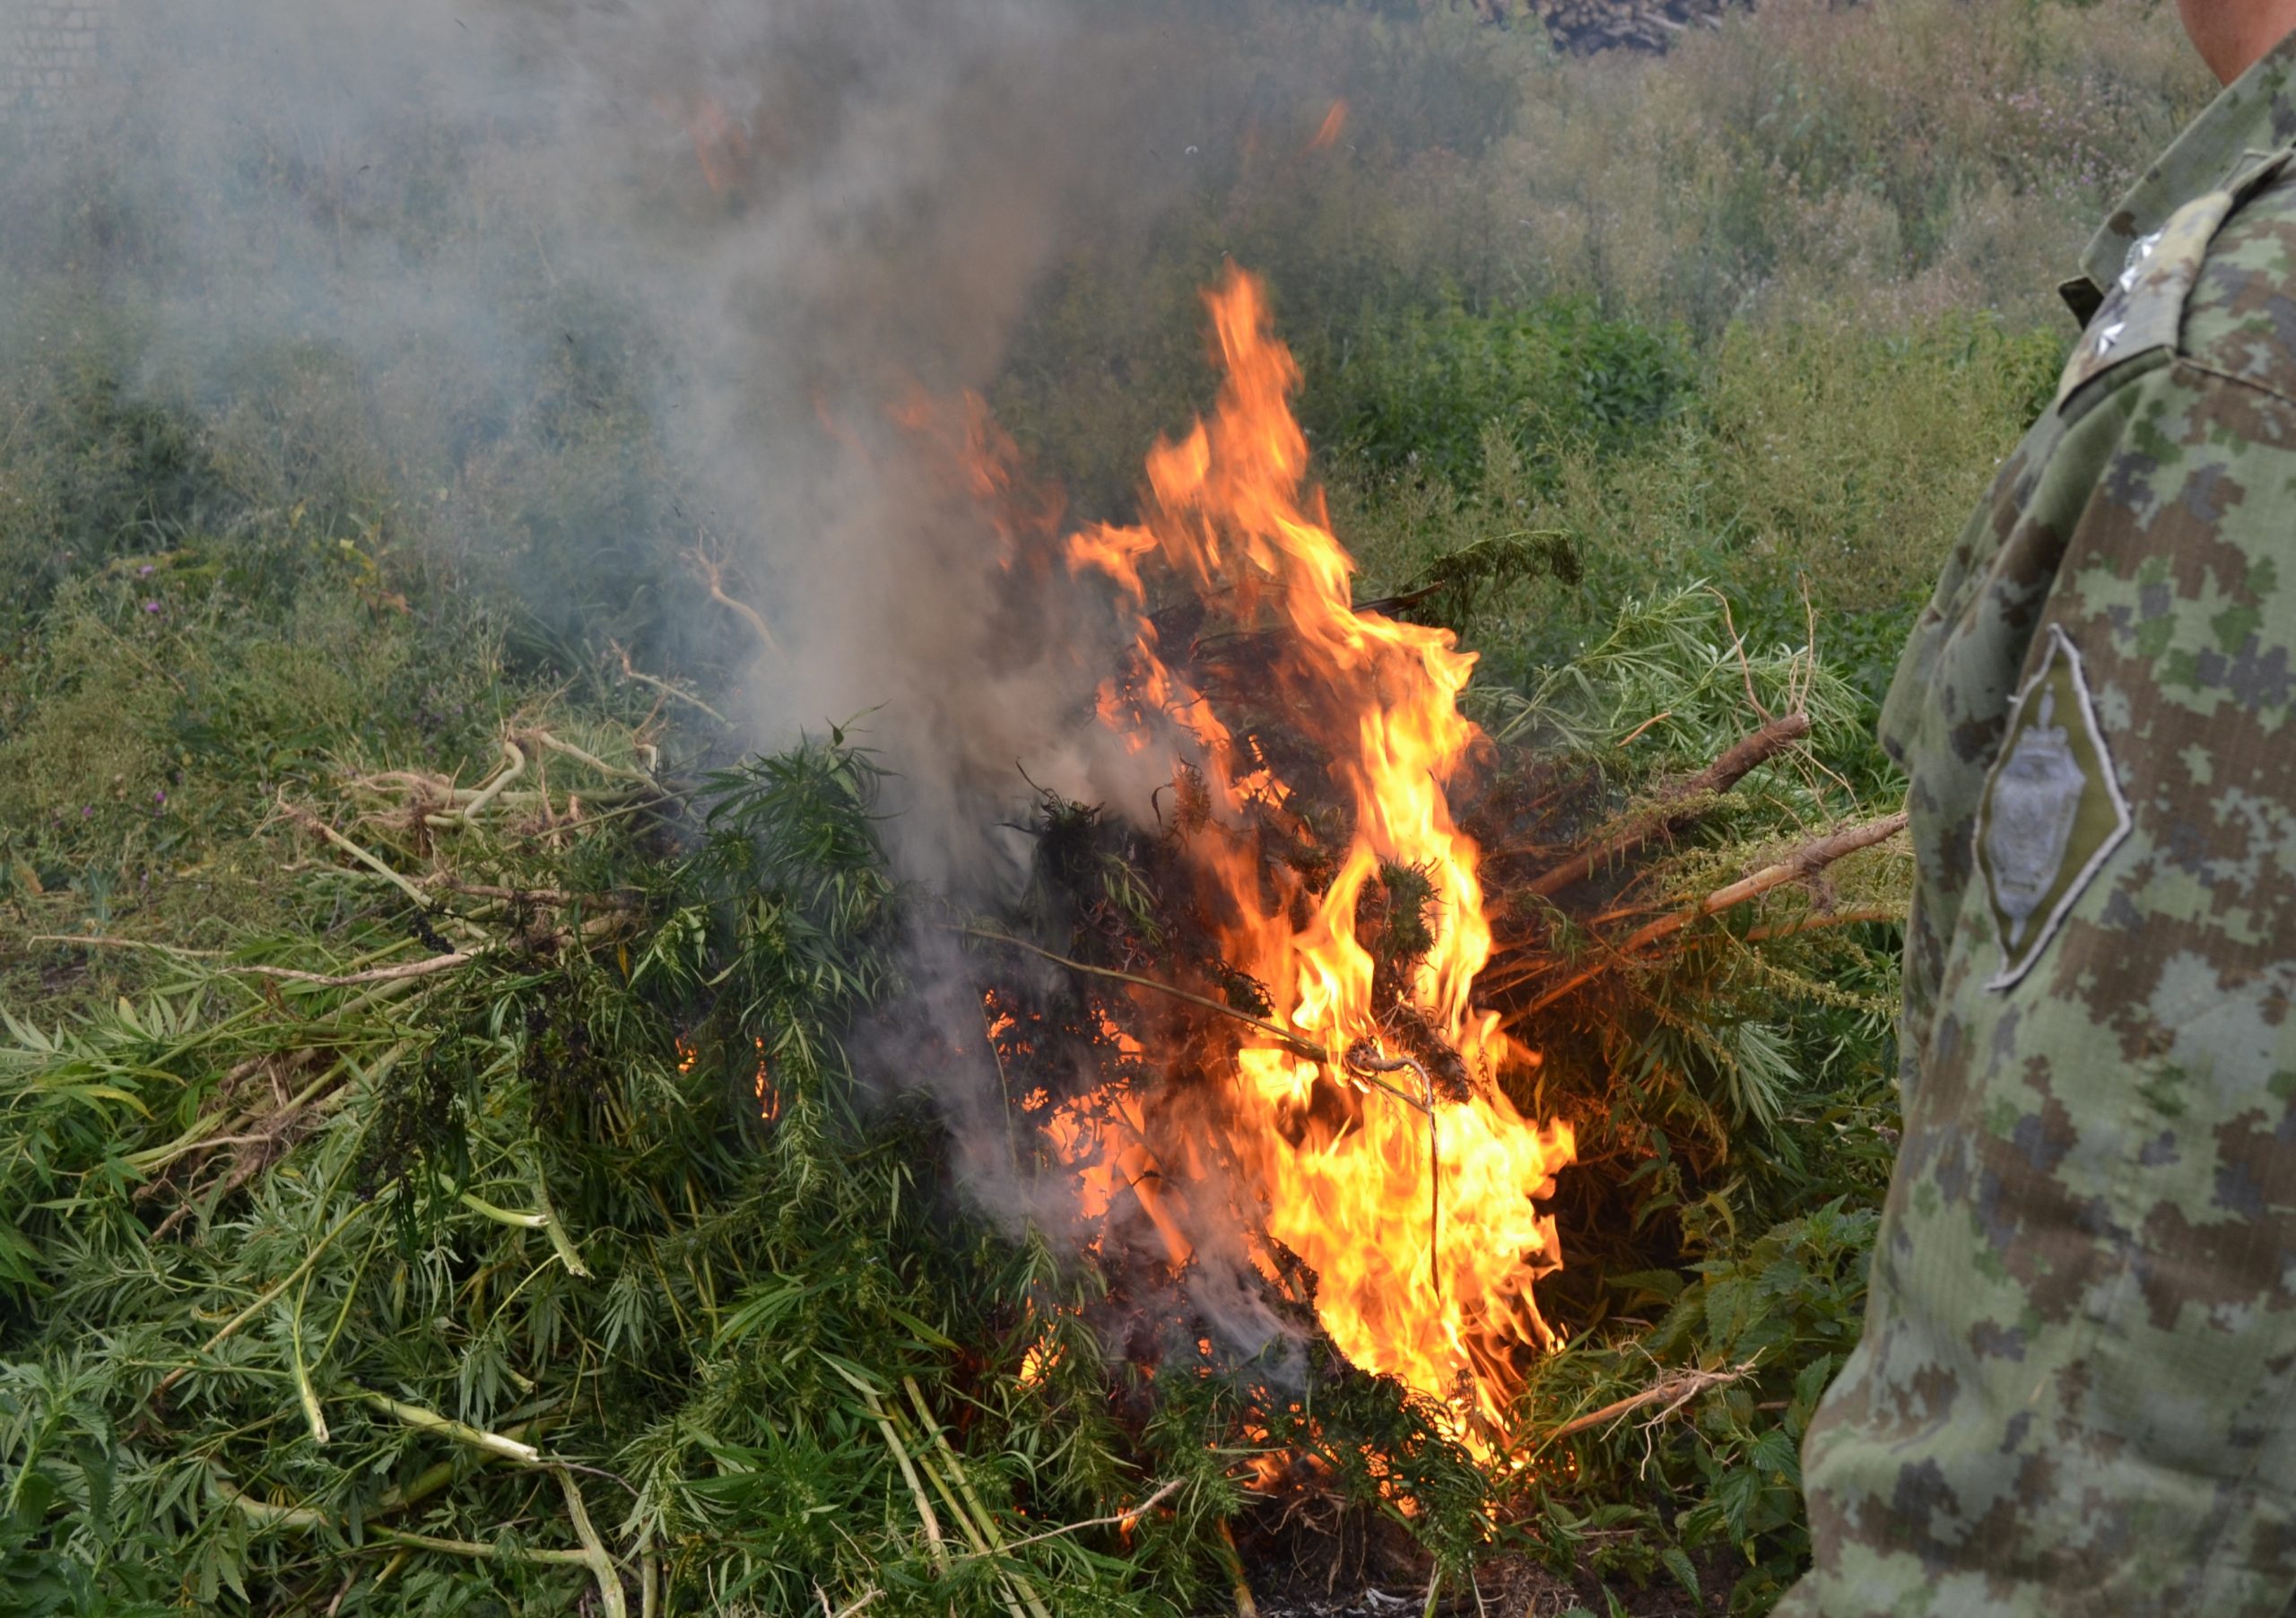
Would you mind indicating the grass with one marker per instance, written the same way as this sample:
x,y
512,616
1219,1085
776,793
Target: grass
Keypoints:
x,y
1647,367
1820,466
292,1264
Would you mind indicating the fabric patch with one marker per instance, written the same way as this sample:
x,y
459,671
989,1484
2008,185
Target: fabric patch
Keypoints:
x,y
2052,811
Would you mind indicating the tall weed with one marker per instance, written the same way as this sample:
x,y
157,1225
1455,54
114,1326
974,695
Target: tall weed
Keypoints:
x,y
1917,156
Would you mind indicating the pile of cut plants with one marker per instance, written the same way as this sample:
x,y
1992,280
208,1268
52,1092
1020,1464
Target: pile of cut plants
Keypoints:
x,y
475,1137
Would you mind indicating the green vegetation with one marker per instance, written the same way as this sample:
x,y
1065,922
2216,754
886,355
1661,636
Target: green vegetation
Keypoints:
x,y
589,1259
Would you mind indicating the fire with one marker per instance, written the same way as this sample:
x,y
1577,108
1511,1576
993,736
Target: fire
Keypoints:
x,y
1042,1355
769,1098
1404,1183
1045,1354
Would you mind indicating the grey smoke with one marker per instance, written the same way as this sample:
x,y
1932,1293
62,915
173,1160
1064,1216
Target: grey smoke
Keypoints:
x,y
897,179
455,199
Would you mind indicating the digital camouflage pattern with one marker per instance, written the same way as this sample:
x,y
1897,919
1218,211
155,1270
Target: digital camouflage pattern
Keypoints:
x,y
2073,1392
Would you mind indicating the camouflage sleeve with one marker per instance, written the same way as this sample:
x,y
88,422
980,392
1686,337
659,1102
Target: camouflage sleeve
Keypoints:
x,y
1942,836
2075,1389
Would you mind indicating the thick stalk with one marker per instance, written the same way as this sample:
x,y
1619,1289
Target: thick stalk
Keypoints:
x,y
304,1392
937,1549
271,1296
995,1540
561,1242
431,1421
1233,1561
472,1547
593,1549
487,793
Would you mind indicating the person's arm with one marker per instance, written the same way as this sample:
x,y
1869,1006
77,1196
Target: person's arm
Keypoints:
x,y
2077,1382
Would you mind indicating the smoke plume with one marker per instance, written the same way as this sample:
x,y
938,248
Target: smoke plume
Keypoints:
x,y
754,254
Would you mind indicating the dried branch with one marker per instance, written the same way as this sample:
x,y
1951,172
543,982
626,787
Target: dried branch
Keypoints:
x,y
381,974
1129,1514
629,671
1669,813
423,968
312,822
1292,1041
268,1127
537,896
712,569
1806,861
99,941
1738,645
1802,863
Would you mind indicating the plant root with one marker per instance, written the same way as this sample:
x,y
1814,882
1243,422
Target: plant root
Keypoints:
x,y
1671,1392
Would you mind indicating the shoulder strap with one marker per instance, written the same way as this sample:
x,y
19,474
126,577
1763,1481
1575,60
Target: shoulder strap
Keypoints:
x,y
2136,328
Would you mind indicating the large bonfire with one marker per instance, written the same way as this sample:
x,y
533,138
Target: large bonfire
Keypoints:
x,y
1355,1096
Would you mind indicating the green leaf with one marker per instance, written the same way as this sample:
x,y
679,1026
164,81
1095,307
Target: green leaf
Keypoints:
x,y
1677,1562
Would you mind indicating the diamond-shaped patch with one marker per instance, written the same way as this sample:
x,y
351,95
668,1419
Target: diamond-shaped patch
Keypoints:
x,y
2052,812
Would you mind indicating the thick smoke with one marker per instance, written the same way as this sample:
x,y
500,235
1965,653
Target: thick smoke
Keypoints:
x,y
767,231
783,220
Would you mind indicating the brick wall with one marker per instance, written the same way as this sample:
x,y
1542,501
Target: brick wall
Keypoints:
x,y
51,54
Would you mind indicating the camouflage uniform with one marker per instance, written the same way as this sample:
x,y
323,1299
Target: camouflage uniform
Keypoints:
x,y
2073,1392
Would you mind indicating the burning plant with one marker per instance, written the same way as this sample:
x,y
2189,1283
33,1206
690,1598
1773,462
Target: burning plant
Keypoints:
x,y
1310,883
538,1135
1288,1023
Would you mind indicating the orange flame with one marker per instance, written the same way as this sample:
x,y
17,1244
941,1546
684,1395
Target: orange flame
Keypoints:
x,y
769,1098
1042,1355
1414,1208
